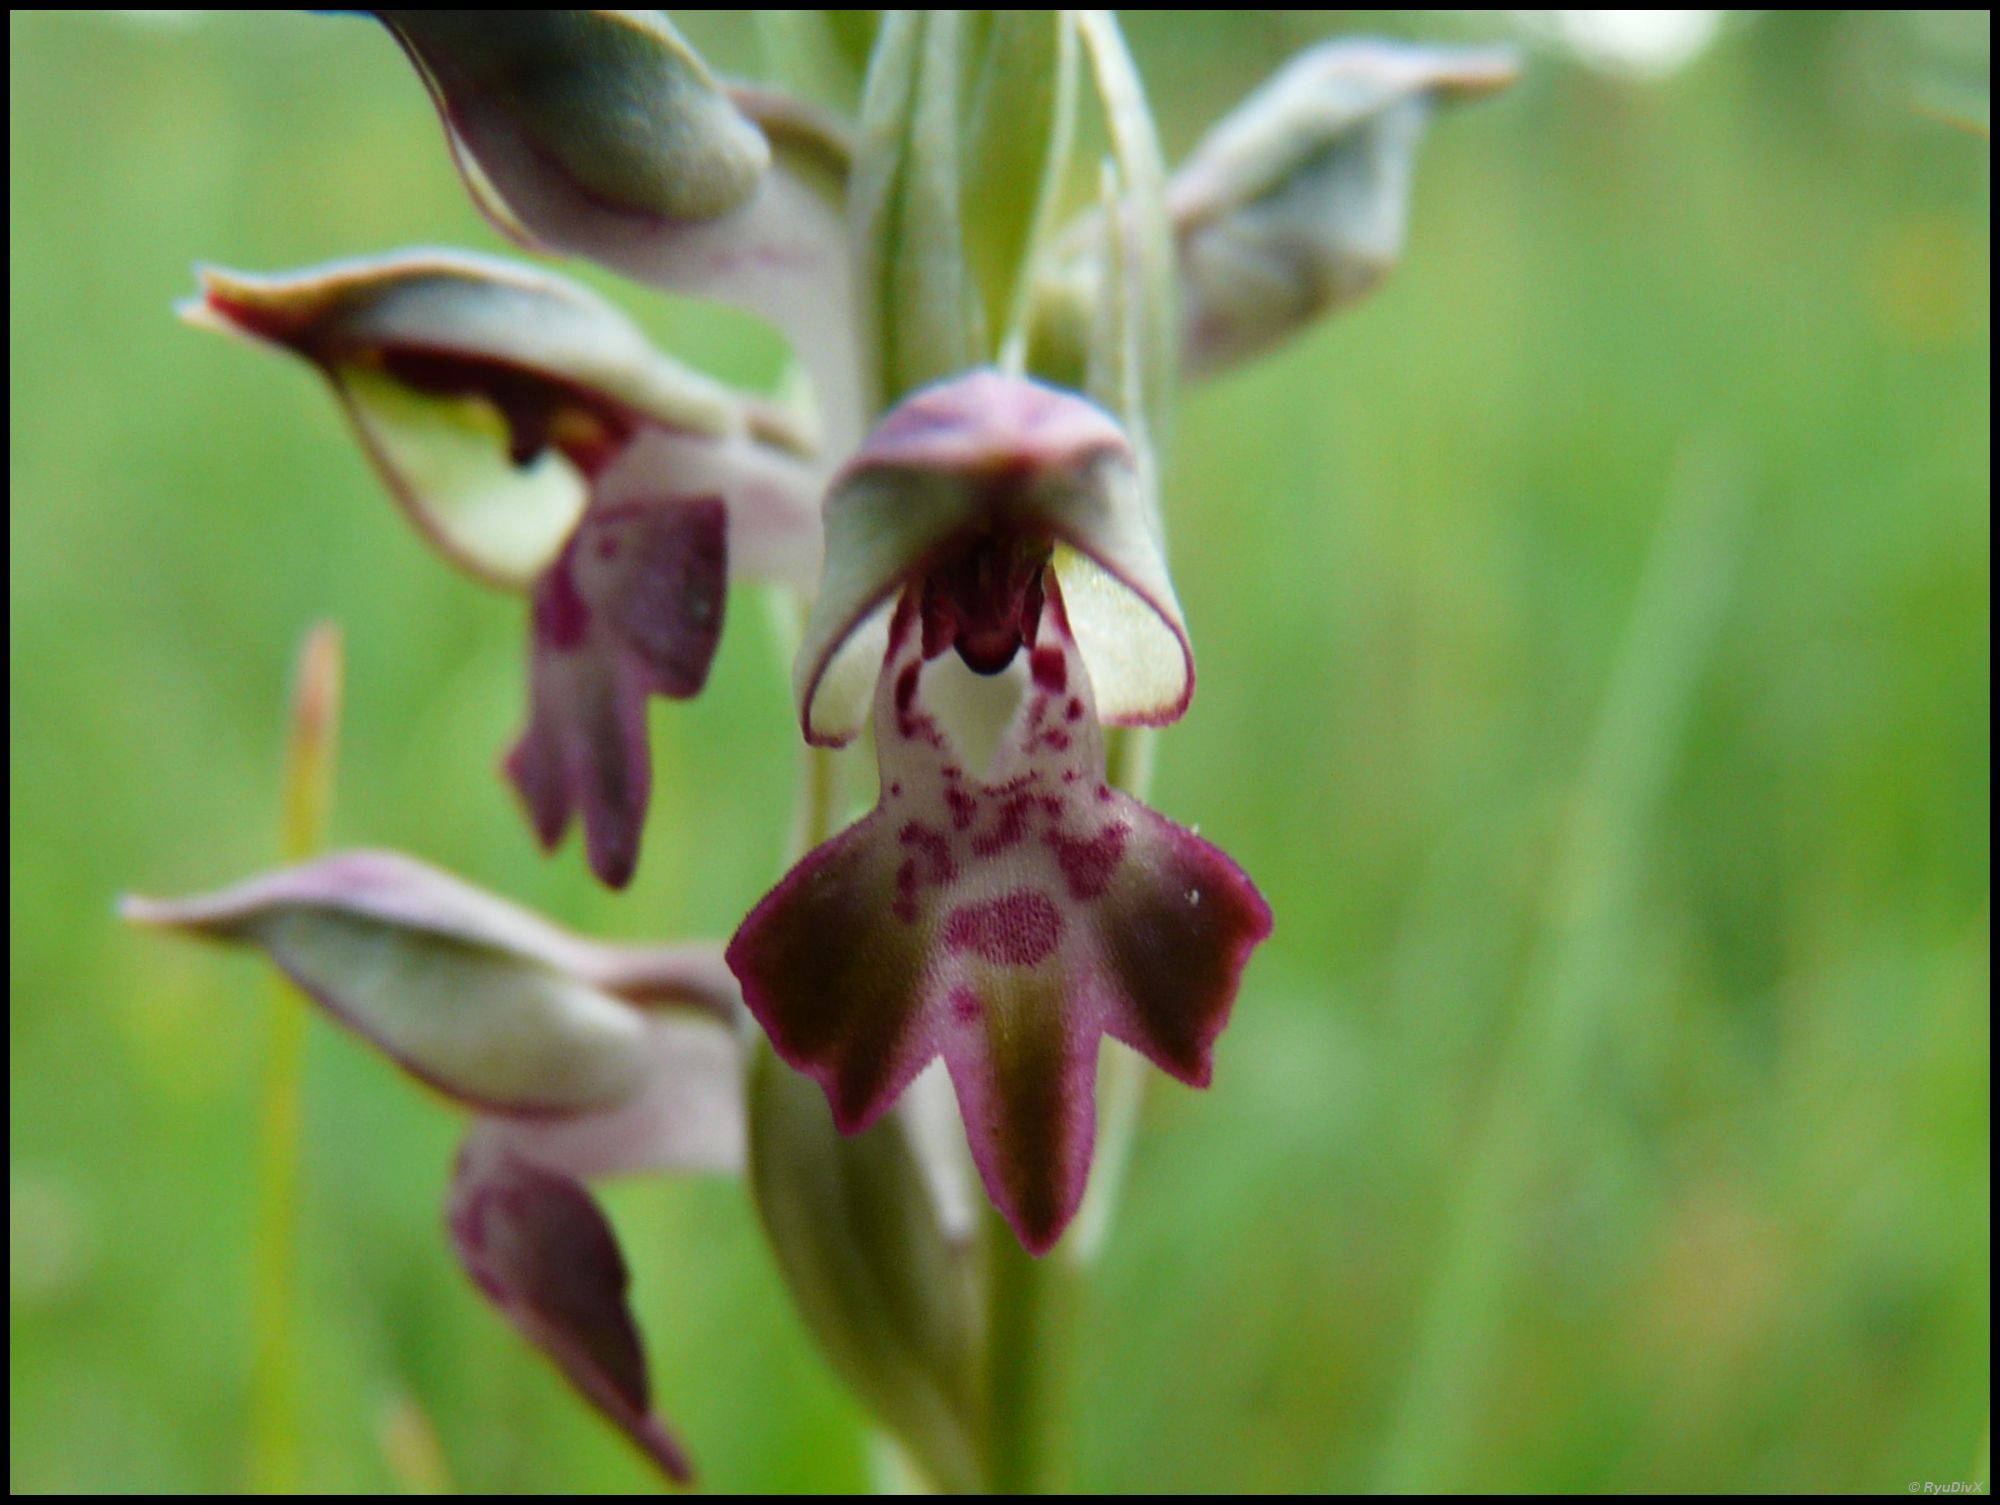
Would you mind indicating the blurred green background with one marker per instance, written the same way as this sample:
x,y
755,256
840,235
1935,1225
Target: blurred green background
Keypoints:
x,y
1594,674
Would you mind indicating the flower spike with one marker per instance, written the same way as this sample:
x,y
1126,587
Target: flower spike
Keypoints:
x,y
967,489
539,441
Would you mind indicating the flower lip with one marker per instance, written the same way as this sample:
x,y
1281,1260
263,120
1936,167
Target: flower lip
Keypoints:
x,y
1003,917
968,489
540,1249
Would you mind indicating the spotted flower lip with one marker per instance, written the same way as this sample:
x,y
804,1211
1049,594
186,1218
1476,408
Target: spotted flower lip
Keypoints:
x,y
1003,919
540,442
1007,472
581,1060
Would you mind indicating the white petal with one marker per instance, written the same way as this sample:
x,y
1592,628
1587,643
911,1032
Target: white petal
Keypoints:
x,y
1141,668
445,461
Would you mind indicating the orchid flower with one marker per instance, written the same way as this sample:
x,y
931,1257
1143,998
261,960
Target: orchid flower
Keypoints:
x,y
578,1060
1003,914
540,443
963,499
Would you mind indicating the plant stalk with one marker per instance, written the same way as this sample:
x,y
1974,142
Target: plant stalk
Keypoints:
x,y
1030,1304
274,1367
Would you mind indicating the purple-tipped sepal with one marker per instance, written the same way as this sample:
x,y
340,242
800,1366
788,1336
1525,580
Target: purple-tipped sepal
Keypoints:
x,y
539,1248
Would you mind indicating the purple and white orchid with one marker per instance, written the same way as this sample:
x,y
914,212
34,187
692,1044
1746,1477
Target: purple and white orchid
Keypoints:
x,y
1001,913
578,1060
964,504
539,442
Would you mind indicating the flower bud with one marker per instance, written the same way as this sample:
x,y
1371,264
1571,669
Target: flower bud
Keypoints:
x,y
478,998
600,134
1295,204
610,109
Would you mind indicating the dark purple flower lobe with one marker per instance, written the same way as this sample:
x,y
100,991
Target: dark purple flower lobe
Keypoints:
x,y
631,608
537,1246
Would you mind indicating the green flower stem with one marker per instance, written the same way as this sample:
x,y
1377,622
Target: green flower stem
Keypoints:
x,y
822,798
1030,1307
274,1368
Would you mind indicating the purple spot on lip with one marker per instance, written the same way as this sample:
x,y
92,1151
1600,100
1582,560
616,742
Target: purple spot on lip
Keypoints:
x,y
1018,929
1088,865
932,846
963,808
1011,826
1049,670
